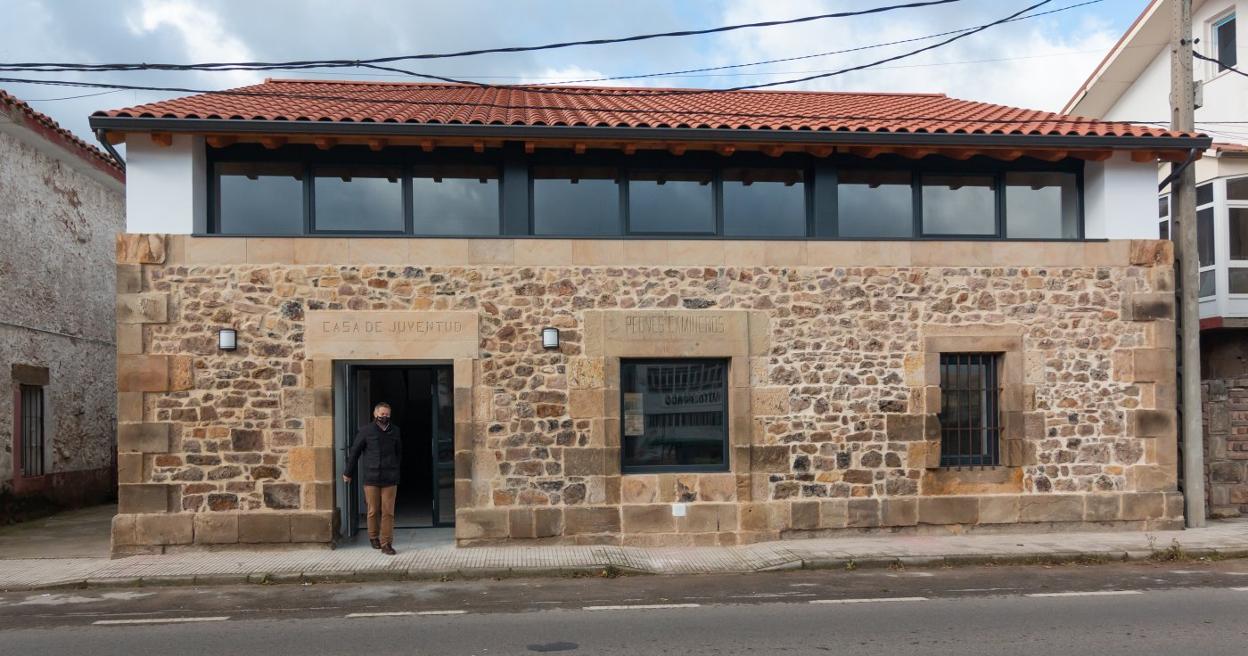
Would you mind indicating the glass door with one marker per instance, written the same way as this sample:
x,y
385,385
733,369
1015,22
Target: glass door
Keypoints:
x,y
443,444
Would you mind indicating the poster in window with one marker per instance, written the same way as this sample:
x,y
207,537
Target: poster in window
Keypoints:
x,y
634,415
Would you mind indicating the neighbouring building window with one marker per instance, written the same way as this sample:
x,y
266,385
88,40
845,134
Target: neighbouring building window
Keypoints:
x,y
1205,240
671,201
955,205
576,201
1041,205
259,198
674,415
1163,217
455,200
874,203
970,417
1224,43
32,433
768,202
1237,219
358,198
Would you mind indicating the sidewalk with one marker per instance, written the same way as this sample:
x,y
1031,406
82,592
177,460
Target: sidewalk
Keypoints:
x,y
429,554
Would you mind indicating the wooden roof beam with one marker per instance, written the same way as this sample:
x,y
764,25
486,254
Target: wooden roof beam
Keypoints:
x,y
869,152
1048,155
725,149
272,143
960,154
579,148
773,150
1092,155
376,145
1004,155
915,153
162,139
1142,156
324,143
677,149
821,151
219,140
629,148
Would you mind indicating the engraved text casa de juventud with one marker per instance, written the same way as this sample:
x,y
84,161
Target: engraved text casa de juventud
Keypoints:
x,y
395,327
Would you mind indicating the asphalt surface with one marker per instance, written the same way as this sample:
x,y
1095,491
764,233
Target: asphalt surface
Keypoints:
x,y
1192,608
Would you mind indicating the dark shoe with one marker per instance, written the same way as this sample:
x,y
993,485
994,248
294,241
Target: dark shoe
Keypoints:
x,y
387,549
375,542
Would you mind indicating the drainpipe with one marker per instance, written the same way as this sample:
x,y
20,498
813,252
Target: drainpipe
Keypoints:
x,y
101,135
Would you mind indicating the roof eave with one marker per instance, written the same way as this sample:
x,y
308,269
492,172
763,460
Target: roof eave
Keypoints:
x,y
543,132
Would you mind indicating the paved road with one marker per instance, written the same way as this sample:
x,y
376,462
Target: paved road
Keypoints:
x,y
1169,608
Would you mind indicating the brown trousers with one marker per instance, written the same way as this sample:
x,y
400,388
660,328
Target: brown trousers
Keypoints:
x,y
380,502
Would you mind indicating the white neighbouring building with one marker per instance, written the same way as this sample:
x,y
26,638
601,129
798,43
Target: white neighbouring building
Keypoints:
x,y
1132,83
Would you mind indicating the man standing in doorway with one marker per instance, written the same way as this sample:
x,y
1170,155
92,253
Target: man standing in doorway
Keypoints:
x,y
381,446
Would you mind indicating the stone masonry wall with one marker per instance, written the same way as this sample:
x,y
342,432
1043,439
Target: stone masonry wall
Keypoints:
x,y
56,306
1224,367
833,397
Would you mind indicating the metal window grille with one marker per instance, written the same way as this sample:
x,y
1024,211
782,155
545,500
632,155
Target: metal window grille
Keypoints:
x,y
970,416
32,430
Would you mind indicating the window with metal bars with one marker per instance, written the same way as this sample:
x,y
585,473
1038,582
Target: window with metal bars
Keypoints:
x,y
31,413
970,410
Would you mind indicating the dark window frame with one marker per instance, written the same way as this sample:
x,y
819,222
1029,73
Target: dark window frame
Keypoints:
x,y
516,218
32,430
951,393
726,443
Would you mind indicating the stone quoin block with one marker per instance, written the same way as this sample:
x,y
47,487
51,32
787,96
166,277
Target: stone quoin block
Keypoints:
x,y
135,248
590,520
263,527
129,278
143,498
655,518
311,527
899,512
142,308
479,523
948,510
1050,508
216,528
142,373
164,529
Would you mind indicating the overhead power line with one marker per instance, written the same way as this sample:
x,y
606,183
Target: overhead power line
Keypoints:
x,y
646,93
468,53
1224,67
616,110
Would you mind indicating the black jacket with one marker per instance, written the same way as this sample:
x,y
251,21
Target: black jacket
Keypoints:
x,y
382,452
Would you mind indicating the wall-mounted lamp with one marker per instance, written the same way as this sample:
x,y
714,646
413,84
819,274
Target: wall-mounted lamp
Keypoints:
x,y
227,339
550,338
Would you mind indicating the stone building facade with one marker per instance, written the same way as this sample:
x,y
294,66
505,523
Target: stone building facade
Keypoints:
x,y
697,318
1225,395
833,400
61,206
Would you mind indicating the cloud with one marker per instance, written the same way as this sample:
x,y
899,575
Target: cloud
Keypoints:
x,y
200,30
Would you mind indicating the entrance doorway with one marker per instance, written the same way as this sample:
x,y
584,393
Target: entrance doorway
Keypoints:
x,y
421,405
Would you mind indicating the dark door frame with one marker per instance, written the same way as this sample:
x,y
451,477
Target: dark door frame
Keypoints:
x,y
351,411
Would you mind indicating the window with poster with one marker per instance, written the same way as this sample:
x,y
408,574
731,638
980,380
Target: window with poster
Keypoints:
x,y
674,415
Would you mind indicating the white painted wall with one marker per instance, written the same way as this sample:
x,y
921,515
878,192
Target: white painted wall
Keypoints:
x,y
1225,93
166,186
1120,199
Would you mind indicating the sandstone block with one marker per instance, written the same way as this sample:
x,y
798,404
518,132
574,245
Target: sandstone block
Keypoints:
x,y
130,407
1152,307
584,462
164,529
1152,252
311,464
520,523
638,489
135,248
475,523
590,520
1155,423
1103,507
1152,478
216,528
130,468
142,373
282,496
655,518
773,458
911,428
1143,505
129,339
1001,509
547,522
766,401
123,531
129,278
804,515
717,487
298,402
318,496
143,498
317,527
1050,508
143,308
263,527
584,403
834,513
863,513
143,437
948,510
181,373
586,373
899,512
1154,365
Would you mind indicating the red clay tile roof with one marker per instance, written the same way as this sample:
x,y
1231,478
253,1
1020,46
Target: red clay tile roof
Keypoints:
x,y
49,129
358,102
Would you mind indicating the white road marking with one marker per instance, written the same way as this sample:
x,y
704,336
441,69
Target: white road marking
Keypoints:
x,y
1090,593
980,589
163,620
1240,589
442,612
866,600
642,607
1186,571
390,614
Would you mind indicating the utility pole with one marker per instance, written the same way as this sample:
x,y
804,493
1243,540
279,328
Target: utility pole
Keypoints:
x,y
1183,118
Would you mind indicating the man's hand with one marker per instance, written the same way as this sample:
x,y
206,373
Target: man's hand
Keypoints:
x,y
346,479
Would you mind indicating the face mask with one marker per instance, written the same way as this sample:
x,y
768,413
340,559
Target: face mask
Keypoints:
x,y
383,421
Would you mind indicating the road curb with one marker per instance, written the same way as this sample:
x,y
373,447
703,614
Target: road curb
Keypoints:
x,y
609,570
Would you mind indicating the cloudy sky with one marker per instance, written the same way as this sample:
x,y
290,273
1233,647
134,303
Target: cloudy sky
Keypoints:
x,y
1035,63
